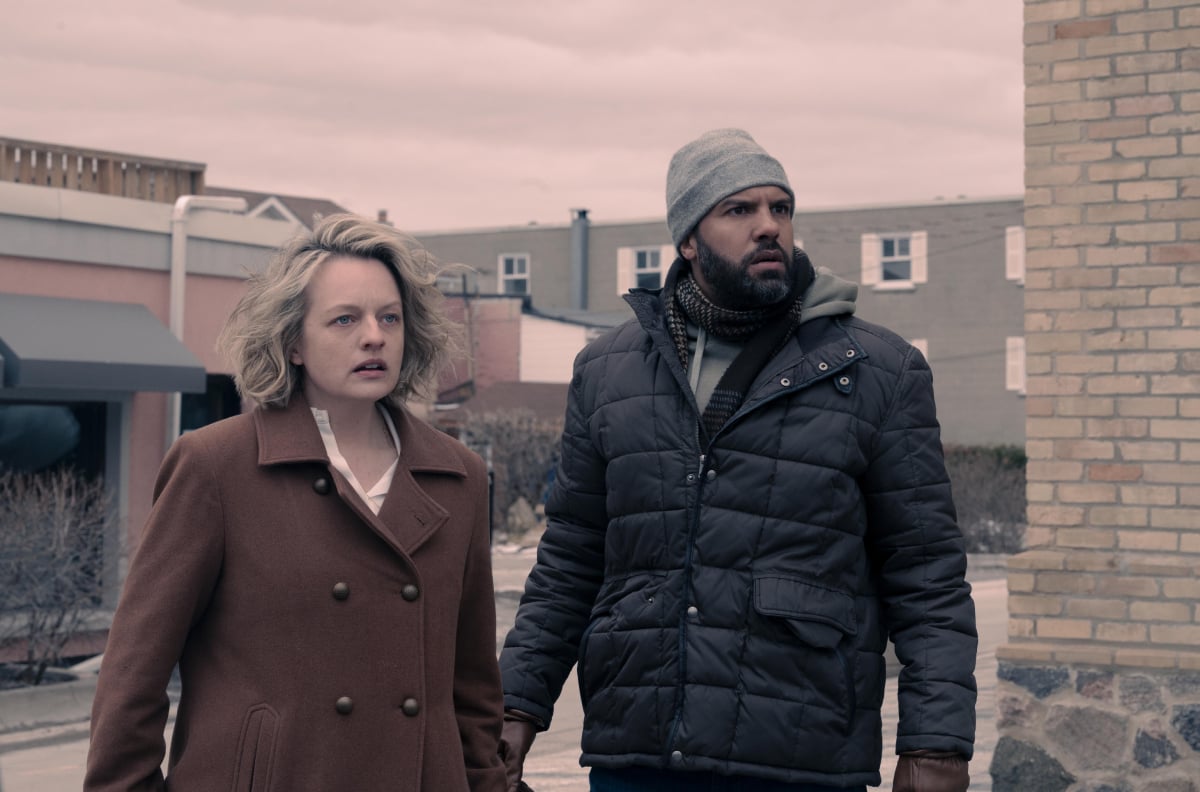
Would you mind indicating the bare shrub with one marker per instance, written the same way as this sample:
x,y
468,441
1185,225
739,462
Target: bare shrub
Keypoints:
x,y
523,450
989,494
52,528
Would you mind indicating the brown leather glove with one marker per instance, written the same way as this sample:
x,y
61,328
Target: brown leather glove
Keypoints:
x,y
516,738
931,771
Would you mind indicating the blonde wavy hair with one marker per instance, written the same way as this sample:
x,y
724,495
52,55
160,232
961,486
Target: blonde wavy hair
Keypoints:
x,y
268,320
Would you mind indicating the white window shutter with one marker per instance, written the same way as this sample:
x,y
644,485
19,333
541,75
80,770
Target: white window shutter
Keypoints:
x,y
1014,363
871,273
919,250
500,274
666,258
625,264
1014,253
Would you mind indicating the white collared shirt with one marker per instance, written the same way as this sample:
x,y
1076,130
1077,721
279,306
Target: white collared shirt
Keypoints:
x,y
373,497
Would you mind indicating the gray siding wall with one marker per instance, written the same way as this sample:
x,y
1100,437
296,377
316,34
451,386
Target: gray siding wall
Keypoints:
x,y
965,310
548,247
605,240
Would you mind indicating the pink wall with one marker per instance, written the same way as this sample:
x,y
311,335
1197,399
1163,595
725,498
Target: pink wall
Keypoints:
x,y
208,302
496,335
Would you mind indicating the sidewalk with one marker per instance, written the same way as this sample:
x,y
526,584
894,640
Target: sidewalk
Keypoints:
x,y
54,719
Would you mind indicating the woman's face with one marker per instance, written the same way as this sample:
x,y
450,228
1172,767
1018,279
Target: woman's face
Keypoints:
x,y
352,340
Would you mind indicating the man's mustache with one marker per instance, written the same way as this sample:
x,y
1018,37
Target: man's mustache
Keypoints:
x,y
766,247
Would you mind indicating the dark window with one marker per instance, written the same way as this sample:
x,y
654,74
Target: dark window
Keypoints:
x,y
52,464
896,261
648,268
219,400
45,435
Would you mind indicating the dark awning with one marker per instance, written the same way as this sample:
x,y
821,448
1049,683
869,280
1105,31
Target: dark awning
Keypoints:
x,y
54,342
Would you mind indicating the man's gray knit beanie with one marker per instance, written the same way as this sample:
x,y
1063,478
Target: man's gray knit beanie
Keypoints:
x,y
712,167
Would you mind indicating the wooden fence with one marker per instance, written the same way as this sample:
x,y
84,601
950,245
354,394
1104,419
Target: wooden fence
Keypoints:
x,y
106,172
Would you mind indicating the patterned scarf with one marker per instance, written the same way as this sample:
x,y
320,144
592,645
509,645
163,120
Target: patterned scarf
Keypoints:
x,y
763,331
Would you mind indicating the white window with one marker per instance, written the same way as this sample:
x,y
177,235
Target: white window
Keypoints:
x,y
1014,364
514,273
1014,253
922,344
643,267
894,261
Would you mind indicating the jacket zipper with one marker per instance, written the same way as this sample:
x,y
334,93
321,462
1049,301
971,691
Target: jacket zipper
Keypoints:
x,y
694,524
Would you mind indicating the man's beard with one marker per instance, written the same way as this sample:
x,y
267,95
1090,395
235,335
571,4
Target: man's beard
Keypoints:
x,y
732,284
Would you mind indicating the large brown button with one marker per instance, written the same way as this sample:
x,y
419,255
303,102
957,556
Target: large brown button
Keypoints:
x,y
321,486
410,592
340,591
410,707
344,705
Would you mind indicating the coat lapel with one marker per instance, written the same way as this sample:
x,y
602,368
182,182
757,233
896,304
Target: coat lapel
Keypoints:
x,y
424,451
409,515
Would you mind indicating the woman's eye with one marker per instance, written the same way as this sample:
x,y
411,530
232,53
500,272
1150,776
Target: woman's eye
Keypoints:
x,y
390,319
343,320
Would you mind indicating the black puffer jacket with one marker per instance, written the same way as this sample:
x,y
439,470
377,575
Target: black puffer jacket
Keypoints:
x,y
729,605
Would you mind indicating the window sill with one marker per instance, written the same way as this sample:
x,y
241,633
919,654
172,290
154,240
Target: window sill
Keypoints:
x,y
895,286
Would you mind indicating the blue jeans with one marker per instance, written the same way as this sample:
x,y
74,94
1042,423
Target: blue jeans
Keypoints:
x,y
645,779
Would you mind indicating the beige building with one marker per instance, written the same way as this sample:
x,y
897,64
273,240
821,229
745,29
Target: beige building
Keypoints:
x,y
1099,686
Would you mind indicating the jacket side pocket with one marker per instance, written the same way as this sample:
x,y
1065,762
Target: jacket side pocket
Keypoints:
x,y
581,663
821,617
256,749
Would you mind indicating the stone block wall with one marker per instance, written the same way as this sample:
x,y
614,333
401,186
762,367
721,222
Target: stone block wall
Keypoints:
x,y
1096,728
1099,683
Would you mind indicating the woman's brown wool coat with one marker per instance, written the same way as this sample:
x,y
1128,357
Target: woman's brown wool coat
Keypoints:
x,y
320,647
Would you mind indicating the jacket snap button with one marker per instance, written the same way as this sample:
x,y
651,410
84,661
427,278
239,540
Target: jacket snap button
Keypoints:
x,y
340,591
693,611
710,475
823,366
844,381
691,477
410,707
344,705
849,353
321,486
676,756
785,382
410,592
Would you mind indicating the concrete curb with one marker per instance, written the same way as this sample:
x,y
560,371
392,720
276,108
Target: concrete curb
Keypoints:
x,y
45,714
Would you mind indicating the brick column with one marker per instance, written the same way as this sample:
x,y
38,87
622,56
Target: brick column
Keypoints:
x,y
1099,683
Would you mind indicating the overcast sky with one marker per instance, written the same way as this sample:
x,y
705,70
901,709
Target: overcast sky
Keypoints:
x,y
453,114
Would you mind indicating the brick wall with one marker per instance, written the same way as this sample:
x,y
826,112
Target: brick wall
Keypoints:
x,y
1099,683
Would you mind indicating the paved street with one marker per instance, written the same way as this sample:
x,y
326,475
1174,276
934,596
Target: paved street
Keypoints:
x,y
55,762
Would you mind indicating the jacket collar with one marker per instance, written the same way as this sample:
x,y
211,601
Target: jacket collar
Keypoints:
x,y
289,434
409,515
